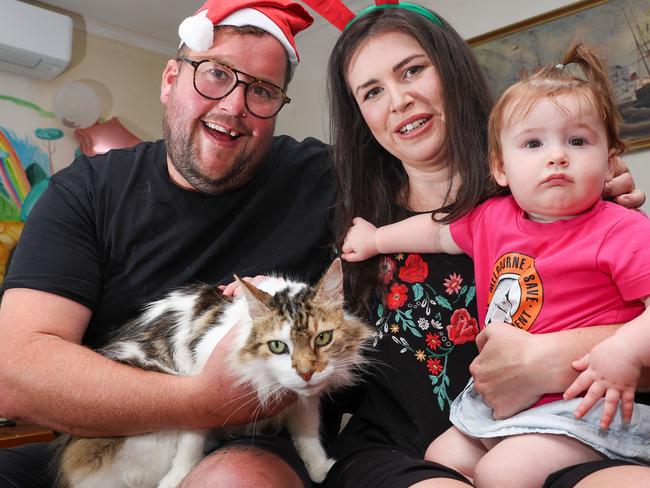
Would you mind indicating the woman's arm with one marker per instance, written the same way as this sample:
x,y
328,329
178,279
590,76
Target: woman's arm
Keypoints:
x,y
515,368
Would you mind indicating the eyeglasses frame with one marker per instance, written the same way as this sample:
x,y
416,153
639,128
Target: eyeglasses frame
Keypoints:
x,y
195,64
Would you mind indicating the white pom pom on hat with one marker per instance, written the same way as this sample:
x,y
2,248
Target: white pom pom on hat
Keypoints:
x,y
197,32
283,19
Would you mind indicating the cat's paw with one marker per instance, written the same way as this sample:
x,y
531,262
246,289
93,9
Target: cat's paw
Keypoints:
x,y
171,480
317,471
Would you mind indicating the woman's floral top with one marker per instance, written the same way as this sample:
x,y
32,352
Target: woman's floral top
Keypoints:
x,y
422,317
422,351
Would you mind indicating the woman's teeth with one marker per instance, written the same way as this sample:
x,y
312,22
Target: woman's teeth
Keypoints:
x,y
412,125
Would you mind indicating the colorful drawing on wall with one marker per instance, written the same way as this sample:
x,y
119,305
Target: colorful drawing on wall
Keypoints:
x,y
25,169
9,234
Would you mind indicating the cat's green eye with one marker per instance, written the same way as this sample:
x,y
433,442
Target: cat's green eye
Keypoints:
x,y
277,347
324,338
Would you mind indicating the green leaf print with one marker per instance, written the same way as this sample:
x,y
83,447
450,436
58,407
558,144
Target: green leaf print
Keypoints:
x,y
470,295
441,400
443,302
418,291
407,323
380,310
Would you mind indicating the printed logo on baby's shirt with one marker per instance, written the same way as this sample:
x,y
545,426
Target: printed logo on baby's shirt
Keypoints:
x,y
516,294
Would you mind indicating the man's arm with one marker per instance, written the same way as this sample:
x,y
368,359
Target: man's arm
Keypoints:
x,y
514,368
47,377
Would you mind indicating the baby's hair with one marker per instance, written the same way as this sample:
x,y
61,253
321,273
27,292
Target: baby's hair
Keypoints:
x,y
591,83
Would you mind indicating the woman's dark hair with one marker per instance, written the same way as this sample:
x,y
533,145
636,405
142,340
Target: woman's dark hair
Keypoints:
x,y
371,182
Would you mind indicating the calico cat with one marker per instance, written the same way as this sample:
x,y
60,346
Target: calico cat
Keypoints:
x,y
292,337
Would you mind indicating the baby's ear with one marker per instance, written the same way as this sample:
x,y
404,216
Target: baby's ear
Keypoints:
x,y
497,170
613,163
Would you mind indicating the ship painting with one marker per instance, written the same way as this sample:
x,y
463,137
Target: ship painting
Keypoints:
x,y
620,28
635,110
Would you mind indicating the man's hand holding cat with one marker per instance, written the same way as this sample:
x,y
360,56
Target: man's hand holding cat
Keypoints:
x,y
360,243
226,400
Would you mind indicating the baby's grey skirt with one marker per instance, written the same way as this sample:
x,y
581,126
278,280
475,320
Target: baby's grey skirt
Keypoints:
x,y
629,442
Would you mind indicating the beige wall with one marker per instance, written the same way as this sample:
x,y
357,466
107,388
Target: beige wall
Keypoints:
x,y
125,78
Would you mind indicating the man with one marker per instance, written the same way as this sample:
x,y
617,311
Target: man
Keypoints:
x,y
220,196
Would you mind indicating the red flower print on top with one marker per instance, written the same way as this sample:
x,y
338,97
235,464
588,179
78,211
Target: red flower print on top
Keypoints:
x,y
434,365
397,295
433,341
387,269
452,284
463,327
415,270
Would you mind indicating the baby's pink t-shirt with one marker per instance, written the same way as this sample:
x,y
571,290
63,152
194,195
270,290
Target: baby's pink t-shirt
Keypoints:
x,y
589,270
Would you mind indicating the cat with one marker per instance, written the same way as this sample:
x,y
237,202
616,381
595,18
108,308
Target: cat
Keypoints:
x,y
292,337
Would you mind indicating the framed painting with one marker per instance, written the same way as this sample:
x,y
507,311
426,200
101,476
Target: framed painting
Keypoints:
x,y
620,29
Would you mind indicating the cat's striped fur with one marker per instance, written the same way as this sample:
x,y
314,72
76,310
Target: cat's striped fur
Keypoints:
x,y
176,335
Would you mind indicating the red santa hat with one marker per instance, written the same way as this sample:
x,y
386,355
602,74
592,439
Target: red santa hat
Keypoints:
x,y
283,19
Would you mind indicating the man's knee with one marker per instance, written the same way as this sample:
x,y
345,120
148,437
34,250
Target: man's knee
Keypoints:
x,y
242,467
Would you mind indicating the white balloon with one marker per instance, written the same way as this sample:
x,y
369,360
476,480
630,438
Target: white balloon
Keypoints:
x,y
76,105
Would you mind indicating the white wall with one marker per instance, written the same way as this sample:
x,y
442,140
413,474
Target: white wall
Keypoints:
x,y
307,113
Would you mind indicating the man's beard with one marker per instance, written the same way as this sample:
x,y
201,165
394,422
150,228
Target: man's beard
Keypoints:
x,y
184,155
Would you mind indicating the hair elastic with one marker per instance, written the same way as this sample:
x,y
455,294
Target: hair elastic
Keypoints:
x,y
408,6
572,69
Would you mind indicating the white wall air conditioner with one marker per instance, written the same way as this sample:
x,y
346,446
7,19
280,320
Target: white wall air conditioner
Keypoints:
x,y
34,41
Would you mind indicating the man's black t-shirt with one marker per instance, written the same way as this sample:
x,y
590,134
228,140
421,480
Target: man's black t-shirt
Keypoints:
x,y
113,232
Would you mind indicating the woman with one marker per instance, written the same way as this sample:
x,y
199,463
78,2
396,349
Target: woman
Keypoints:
x,y
409,110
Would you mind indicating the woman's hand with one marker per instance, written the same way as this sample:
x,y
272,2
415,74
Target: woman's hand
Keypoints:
x,y
515,368
622,189
507,372
360,242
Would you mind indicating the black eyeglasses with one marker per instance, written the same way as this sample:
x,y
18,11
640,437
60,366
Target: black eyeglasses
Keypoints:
x,y
215,81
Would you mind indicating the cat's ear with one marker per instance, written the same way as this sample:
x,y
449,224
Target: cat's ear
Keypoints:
x,y
257,300
330,287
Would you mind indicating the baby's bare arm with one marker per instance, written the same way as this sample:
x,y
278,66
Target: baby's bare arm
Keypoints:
x,y
418,234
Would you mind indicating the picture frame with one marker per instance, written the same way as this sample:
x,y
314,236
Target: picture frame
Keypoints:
x,y
619,29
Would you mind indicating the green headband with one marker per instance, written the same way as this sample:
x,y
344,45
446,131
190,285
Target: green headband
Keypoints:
x,y
408,6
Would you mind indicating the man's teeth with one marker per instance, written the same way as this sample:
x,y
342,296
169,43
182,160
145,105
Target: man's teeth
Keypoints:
x,y
219,128
412,125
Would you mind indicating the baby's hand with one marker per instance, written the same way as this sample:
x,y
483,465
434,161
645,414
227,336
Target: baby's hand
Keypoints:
x,y
359,243
610,371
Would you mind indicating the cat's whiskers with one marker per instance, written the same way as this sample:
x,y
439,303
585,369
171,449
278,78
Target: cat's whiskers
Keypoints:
x,y
253,398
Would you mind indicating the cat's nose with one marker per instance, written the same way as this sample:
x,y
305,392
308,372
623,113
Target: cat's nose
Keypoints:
x,y
306,375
